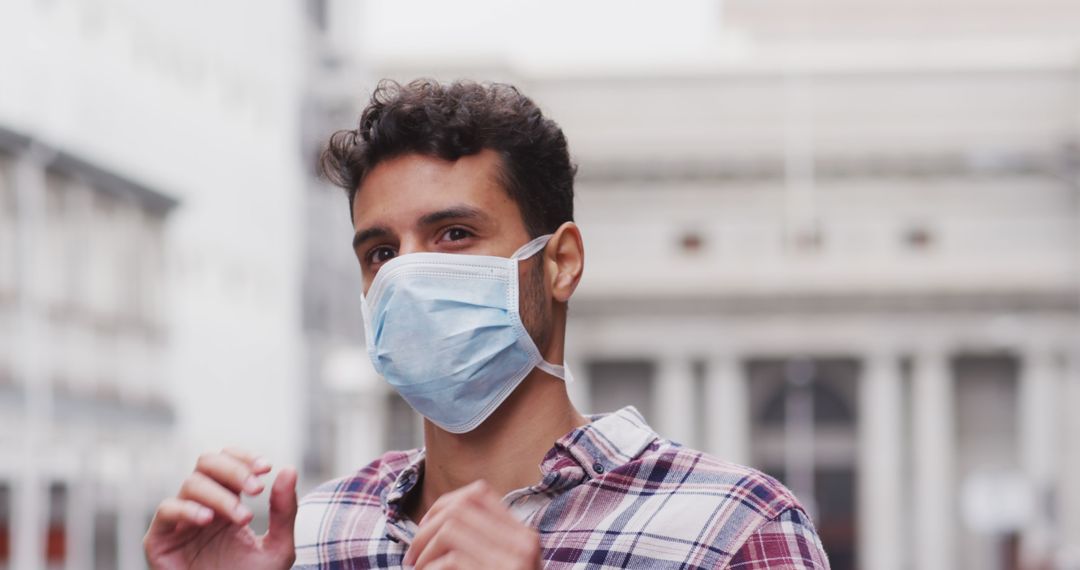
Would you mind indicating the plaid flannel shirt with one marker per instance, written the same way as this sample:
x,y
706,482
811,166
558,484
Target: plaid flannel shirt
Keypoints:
x,y
612,494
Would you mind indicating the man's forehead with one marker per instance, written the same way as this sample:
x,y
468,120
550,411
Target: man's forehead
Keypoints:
x,y
414,188
422,213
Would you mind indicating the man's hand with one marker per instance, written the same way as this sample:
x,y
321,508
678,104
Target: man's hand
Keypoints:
x,y
470,528
206,526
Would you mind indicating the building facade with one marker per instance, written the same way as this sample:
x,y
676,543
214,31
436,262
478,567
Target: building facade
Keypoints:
x,y
920,295
150,250
88,421
844,249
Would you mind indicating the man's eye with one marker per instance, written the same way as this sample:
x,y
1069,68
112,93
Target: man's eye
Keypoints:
x,y
381,254
455,234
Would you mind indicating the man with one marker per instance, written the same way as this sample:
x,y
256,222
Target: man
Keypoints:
x,y
461,196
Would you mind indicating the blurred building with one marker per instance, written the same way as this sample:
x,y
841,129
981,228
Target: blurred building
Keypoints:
x,y
845,249
150,248
352,417
86,414
331,277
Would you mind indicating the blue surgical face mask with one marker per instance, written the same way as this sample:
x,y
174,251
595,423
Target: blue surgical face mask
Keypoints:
x,y
445,331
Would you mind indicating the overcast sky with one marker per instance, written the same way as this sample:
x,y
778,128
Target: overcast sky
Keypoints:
x,y
553,33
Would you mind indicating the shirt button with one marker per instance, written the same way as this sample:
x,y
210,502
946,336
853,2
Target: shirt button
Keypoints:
x,y
406,480
598,468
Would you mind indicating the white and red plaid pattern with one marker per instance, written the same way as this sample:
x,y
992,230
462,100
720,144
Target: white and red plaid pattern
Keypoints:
x,y
612,494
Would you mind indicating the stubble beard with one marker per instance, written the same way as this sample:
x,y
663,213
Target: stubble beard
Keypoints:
x,y
535,307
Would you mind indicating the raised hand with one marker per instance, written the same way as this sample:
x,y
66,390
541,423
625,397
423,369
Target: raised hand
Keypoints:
x,y
205,526
471,528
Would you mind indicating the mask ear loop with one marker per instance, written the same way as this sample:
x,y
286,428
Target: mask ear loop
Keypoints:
x,y
525,252
560,372
532,248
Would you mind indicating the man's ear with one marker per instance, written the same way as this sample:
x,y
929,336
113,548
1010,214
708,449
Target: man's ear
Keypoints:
x,y
565,258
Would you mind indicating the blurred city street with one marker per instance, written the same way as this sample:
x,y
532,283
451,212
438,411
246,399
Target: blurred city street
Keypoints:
x,y
838,242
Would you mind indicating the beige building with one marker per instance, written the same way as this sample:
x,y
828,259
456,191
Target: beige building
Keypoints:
x,y
843,248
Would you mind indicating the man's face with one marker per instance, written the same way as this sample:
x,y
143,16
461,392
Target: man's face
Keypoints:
x,y
415,203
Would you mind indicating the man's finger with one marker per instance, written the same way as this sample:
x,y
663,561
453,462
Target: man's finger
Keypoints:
x,y
481,494
208,493
173,511
443,508
257,463
429,526
471,531
487,498
467,512
283,509
474,489
230,472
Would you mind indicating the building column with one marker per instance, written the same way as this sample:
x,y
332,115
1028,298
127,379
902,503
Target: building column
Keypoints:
x,y
934,440
674,394
1069,466
79,522
727,409
879,463
1038,375
31,495
131,520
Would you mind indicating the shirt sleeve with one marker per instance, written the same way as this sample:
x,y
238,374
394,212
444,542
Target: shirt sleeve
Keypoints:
x,y
787,542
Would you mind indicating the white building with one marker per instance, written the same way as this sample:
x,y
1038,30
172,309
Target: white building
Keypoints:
x,y
842,245
86,411
135,334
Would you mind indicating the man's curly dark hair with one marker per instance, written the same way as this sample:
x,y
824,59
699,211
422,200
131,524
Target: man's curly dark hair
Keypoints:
x,y
458,119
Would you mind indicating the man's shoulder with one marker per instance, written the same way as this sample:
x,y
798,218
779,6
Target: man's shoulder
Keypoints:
x,y
350,501
673,468
686,494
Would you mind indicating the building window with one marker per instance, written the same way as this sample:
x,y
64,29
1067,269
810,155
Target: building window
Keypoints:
x,y
918,237
56,540
831,388
106,546
5,525
820,395
701,406
7,231
57,241
318,12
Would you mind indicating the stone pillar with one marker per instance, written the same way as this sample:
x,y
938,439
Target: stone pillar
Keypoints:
x,y
131,521
79,522
727,409
674,395
935,501
1069,466
881,506
30,503
1038,375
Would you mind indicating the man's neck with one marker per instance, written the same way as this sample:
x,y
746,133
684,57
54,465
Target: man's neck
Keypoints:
x,y
505,450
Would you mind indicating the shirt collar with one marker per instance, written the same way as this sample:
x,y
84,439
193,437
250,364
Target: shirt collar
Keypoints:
x,y
403,484
606,443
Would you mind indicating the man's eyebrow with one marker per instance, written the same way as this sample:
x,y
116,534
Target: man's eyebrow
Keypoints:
x,y
366,234
453,213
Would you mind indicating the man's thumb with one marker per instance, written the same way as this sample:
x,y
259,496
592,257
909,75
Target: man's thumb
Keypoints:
x,y
283,508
